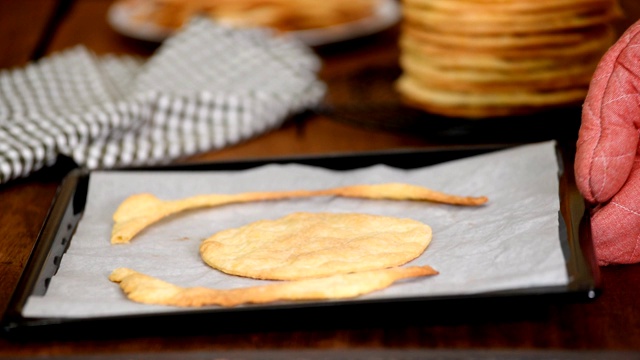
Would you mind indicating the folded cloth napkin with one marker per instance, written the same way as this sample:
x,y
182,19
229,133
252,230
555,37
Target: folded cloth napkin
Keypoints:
x,y
206,87
607,163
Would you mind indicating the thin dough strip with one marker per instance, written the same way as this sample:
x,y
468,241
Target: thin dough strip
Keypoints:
x,y
150,290
141,210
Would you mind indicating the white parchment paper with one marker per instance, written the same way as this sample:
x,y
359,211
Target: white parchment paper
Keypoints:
x,y
511,242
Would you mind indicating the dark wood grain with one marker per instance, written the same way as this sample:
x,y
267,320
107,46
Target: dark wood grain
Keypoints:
x,y
24,28
39,27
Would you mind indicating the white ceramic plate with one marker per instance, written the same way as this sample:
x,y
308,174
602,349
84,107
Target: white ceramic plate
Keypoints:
x,y
387,14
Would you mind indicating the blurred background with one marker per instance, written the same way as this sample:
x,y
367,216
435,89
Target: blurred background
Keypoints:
x,y
449,71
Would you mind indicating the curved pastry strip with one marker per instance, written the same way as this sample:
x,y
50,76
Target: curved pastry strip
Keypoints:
x,y
141,210
149,290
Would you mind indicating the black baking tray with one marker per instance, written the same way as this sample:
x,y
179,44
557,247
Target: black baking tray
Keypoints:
x,y
67,208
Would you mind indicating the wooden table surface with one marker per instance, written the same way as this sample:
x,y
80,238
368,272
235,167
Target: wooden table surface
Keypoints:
x,y
35,28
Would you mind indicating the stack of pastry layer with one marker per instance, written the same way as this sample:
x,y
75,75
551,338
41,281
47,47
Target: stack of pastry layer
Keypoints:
x,y
490,58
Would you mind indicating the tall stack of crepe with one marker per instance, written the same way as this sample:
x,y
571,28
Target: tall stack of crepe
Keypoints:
x,y
489,58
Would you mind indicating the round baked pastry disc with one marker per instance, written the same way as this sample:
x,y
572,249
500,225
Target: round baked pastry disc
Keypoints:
x,y
308,245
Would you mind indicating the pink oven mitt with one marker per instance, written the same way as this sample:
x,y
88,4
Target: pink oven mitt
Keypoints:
x,y
607,163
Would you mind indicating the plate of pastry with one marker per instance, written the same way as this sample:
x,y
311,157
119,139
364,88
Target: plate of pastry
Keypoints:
x,y
314,23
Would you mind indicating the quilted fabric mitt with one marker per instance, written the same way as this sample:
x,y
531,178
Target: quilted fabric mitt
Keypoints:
x,y
607,162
